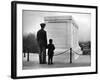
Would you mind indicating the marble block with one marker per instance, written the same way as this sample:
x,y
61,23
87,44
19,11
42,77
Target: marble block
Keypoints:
x,y
64,32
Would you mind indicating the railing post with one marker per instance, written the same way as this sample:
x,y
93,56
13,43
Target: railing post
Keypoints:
x,y
70,55
24,55
28,56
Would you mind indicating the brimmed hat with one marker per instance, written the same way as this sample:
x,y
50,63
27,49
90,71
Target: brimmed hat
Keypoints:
x,y
42,24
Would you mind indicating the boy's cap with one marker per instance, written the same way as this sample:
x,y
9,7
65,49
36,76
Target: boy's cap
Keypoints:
x,y
50,40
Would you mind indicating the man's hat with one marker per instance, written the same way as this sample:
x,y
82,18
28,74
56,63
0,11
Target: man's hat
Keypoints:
x,y
42,24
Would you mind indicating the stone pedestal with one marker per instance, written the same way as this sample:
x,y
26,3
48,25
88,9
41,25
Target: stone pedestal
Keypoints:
x,y
64,32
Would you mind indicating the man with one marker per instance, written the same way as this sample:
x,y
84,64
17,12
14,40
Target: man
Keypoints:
x,y
42,41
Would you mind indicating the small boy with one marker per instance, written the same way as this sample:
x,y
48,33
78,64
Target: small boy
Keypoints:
x,y
51,49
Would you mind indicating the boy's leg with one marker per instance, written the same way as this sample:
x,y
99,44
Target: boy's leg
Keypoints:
x,y
48,59
51,59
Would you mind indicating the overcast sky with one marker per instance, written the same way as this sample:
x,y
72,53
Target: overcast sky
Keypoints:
x,y
32,19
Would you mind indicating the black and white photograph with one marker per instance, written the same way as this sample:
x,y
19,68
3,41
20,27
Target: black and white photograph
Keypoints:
x,y
54,37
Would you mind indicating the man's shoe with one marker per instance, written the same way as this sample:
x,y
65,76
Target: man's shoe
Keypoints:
x,y
52,63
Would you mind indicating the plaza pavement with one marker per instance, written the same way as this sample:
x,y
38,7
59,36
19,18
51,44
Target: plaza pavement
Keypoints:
x,y
60,61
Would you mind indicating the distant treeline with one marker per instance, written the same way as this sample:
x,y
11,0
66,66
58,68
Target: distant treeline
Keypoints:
x,y
85,44
30,44
86,47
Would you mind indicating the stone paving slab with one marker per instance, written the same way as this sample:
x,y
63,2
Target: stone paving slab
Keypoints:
x,y
60,61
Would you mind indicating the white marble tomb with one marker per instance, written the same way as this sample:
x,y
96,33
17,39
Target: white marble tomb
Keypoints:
x,y
64,32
